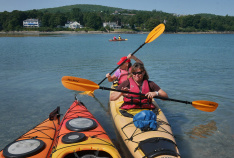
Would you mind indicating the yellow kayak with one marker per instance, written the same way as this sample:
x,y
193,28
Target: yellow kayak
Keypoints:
x,y
153,143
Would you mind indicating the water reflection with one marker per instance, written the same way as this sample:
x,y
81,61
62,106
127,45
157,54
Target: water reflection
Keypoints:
x,y
100,103
203,131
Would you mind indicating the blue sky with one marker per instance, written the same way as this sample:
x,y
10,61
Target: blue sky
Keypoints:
x,y
218,7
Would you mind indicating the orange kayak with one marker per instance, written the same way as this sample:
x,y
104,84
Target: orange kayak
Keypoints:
x,y
81,135
117,40
36,143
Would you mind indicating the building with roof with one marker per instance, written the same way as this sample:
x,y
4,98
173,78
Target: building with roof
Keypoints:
x,y
73,25
31,23
113,25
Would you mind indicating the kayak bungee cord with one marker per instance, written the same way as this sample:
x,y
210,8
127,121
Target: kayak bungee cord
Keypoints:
x,y
131,138
38,141
44,128
158,120
70,116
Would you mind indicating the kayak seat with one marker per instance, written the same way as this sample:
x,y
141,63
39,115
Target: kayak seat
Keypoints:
x,y
131,115
157,146
126,114
89,154
115,83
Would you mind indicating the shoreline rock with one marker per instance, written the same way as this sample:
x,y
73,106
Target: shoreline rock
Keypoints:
x,y
101,32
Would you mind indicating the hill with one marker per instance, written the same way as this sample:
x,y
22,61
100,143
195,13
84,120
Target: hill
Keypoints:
x,y
208,16
93,16
82,7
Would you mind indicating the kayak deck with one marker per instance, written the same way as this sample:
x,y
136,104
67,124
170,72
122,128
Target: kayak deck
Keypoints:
x,y
158,143
37,142
81,135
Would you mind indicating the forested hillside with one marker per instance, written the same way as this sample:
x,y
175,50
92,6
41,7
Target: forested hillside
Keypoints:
x,y
93,16
82,7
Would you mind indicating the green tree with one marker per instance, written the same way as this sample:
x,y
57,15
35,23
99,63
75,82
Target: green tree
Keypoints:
x,y
132,22
152,23
171,24
196,21
77,15
14,20
34,14
203,24
60,19
93,21
46,19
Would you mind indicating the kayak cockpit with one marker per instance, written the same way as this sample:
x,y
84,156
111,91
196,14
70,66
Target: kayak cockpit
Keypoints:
x,y
89,154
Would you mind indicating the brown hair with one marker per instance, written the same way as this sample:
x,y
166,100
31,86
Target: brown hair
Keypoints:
x,y
140,66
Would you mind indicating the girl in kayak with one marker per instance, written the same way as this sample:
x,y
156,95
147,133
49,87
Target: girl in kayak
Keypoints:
x,y
124,70
138,82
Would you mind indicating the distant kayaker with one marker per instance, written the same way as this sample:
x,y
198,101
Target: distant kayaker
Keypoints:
x,y
114,38
120,37
138,82
124,70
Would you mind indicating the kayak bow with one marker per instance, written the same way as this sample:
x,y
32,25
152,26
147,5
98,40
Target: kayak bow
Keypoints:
x,y
37,142
81,135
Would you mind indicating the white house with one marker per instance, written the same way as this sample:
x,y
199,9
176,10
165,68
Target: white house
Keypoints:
x,y
112,25
31,23
73,25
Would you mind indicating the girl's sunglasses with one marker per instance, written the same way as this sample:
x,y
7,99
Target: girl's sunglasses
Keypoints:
x,y
139,73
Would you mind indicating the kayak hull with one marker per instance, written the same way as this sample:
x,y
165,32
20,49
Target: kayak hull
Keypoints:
x,y
158,143
37,142
94,140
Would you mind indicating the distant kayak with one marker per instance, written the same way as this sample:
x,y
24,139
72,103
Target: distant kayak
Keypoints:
x,y
118,40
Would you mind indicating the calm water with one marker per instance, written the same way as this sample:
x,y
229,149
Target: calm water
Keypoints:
x,y
187,67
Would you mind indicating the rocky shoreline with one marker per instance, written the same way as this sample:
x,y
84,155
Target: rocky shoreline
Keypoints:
x,y
72,32
35,33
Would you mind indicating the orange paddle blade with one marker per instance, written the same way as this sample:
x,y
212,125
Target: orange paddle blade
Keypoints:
x,y
204,105
157,31
79,84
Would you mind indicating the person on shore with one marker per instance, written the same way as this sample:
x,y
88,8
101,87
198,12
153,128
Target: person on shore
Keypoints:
x,y
122,73
138,81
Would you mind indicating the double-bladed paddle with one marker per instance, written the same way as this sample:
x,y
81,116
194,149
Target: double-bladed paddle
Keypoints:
x,y
157,31
80,84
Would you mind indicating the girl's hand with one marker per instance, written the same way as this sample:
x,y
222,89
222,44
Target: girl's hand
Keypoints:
x,y
108,75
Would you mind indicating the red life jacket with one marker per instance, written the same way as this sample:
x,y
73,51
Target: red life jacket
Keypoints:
x,y
133,101
123,75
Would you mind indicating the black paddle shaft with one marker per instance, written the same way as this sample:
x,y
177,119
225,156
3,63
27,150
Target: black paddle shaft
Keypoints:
x,y
122,63
158,97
